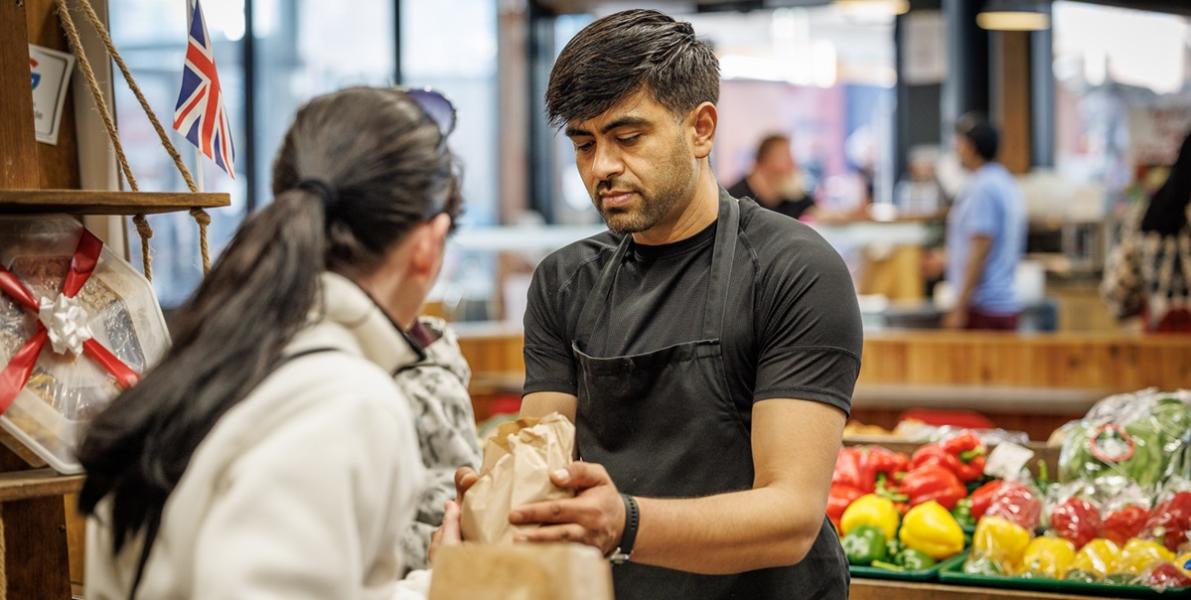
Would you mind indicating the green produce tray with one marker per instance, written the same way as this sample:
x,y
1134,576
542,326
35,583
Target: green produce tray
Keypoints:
x,y
953,573
931,574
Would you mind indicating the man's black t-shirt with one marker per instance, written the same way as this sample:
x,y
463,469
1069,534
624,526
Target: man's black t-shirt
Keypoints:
x,y
793,325
791,207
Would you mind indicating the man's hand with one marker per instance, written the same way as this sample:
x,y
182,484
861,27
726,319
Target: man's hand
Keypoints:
x,y
447,534
957,318
595,516
465,477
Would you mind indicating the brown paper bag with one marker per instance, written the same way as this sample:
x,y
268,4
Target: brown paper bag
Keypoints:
x,y
520,572
518,459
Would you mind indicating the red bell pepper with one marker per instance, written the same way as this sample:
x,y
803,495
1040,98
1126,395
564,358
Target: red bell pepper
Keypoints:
x,y
983,496
970,453
852,469
838,500
1171,521
882,460
1017,504
932,482
1167,576
1125,524
968,465
1076,520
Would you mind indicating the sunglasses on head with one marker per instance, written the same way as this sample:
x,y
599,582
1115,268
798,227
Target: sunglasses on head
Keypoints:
x,y
436,106
441,111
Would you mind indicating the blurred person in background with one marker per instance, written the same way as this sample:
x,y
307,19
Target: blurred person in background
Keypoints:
x,y
775,181
1149,273
986,232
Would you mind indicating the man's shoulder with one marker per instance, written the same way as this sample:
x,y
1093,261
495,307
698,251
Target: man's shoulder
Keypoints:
x,y
774,237
562,265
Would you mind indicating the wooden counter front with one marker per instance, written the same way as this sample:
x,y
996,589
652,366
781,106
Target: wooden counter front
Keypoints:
x,y
1084,361
1069,360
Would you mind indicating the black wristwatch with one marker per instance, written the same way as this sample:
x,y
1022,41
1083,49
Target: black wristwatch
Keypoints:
x,y
632,517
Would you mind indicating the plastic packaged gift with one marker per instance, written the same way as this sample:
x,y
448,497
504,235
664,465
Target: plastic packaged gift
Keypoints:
x,y
77,324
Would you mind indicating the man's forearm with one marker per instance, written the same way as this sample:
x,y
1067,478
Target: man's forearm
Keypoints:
x,y
727,533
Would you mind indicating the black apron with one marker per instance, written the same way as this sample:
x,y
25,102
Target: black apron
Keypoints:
x,y
665,425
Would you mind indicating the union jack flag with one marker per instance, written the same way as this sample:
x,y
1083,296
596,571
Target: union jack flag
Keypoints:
x,y
200,115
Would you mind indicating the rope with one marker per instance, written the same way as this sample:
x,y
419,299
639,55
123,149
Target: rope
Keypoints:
x,y
76,44
200,216
146,233
203,219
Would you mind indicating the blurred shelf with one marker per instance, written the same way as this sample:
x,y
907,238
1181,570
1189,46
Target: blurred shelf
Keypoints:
x,y
105,202
37,483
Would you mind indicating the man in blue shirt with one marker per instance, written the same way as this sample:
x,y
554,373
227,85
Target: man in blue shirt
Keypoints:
x,y
986,233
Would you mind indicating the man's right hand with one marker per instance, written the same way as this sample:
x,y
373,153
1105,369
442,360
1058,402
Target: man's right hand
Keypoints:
x,y
465,477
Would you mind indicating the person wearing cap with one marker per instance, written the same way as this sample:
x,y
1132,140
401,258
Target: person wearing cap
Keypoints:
x,y
986,234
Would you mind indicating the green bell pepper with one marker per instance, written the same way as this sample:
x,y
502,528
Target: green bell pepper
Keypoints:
x,y
914,560
864,544
963,513
1078,575
982,566
1120,579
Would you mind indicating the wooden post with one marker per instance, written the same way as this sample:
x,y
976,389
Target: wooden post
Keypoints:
x,y
35,558
1012,98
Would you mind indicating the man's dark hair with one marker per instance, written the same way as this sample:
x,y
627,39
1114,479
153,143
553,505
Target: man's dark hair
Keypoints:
x,y
615,56
981,133
768,143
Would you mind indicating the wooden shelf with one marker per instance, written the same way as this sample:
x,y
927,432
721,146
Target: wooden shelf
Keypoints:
x,y
37,483
104,202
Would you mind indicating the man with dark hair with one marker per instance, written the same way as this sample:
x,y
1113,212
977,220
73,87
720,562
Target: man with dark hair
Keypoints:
x,y
773,180
705,348
986,232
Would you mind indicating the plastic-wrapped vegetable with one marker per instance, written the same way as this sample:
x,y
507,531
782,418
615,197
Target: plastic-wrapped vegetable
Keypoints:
x,y
1140,436
1048,557
1099,557
997,546
1166,576
1170,521
1138,556
1076,520
1018,504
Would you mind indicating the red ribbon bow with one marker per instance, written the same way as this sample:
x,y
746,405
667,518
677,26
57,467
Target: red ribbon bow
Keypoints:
x,y
20,367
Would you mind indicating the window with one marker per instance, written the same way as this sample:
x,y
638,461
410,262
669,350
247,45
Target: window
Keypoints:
x,y
452,47
1120,105
299,51
302,50
151,36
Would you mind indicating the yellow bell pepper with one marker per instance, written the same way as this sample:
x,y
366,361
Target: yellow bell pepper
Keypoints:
x,y
1101,557
1001,541
1183,563
1049,557
1139,555
929,528
871,510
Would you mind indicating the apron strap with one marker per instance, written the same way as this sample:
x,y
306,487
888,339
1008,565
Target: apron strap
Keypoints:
x,y
722,258
598,299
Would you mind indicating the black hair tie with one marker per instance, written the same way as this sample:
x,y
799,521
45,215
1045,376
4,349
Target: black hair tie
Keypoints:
x,y
324,190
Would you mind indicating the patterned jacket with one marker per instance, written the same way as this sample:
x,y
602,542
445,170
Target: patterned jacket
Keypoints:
x,y
1150,275
446,426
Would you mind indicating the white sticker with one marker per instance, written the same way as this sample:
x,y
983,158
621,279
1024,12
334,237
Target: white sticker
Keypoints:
x,y
1007,460
51,71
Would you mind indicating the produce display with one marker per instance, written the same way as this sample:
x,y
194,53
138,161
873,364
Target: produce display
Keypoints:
x,y
1117,521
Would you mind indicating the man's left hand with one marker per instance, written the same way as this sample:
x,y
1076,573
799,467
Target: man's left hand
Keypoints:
x,y
956,319
595,516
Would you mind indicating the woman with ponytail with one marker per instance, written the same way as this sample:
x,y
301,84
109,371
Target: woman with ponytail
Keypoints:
x,y
270,454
